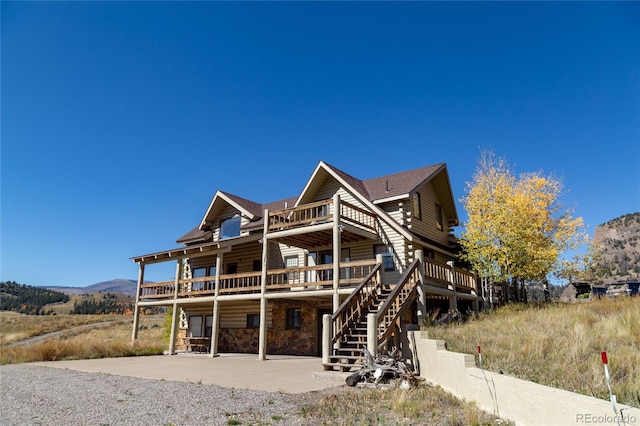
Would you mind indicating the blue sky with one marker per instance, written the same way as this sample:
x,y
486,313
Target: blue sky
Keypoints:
x,y
120,120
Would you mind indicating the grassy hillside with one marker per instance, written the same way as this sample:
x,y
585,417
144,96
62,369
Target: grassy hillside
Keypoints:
x,y
558,345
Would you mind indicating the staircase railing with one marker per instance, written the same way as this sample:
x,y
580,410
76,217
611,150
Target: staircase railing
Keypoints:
x,y
396,302
356,304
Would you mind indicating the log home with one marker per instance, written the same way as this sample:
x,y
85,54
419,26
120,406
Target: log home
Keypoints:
x,y
346,264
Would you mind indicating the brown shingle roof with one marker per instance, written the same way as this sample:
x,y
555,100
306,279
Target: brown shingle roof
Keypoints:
x,y
355,183
399,183
250,206
196,234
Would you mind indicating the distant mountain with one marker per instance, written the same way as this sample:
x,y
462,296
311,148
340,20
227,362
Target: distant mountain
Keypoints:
x,y
617,243
118,285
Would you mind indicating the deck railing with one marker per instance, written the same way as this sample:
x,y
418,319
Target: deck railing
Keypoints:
x,y
319,212
440,274
357,216
192,286
248,282
161,290
278,280
356,303
390,311
295,217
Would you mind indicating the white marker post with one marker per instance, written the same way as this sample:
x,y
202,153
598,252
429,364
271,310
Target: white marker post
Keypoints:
x,y
612,397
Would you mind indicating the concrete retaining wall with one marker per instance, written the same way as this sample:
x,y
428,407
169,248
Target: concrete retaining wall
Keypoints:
x,y
524,402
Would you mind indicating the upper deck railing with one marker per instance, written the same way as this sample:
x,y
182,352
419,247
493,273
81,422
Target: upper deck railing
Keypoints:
x,y
319,212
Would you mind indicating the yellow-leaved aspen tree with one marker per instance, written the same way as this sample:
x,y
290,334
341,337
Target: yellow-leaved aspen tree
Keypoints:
x,y
517,228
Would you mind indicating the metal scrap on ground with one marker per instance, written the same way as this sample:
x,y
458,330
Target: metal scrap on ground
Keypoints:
x,y
384,371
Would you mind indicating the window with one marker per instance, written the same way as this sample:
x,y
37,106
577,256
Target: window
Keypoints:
x,y
387,257
232,268
208,325
253,320
417,207
294,319
230,228
439,223
195,326
198,273
291,262
257,265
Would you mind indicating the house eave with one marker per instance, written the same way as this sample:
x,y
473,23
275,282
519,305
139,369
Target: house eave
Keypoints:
x,y
394,198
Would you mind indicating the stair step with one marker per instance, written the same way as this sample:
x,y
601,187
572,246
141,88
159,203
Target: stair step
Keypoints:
x,y
347,351
341,367
349,358
356,346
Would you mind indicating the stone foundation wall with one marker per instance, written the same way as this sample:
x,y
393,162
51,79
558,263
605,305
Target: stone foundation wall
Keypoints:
x,y
280,340
239,340
304,341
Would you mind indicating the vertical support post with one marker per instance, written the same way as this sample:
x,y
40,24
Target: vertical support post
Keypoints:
x,y
453,300
262,339
136,312
380,270
422,297
174,317
476,302
305,263
326,338
337,249
215,323
372,334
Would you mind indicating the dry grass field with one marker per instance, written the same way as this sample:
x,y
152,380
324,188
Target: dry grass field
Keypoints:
x,y
16,327
558,345
73,340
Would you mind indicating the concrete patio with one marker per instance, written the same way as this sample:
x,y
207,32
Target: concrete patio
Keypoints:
x,y
279,373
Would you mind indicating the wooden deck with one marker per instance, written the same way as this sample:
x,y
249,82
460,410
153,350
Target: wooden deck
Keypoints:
x,y
309,278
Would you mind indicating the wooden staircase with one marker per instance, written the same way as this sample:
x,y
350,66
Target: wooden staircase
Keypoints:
x,y
350,320
349,352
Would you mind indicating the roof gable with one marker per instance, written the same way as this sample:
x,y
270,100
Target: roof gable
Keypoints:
x,y
248,208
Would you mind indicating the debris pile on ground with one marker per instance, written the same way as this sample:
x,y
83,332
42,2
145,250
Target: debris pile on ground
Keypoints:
x,y
384,371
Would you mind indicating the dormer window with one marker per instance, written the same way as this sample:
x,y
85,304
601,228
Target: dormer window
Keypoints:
x,y
230,228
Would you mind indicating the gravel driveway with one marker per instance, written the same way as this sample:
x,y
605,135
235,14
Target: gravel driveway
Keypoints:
x,y
33,395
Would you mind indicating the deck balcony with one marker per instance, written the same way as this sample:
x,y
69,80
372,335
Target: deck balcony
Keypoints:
x,y
291,280
311,225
